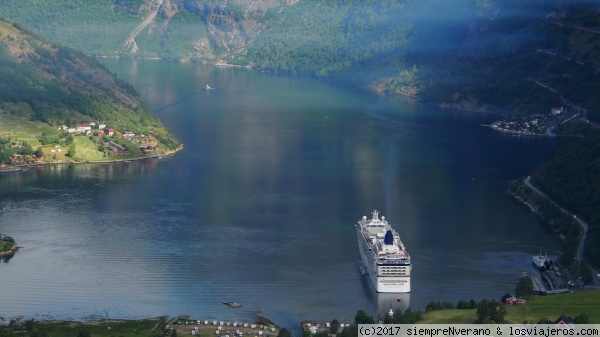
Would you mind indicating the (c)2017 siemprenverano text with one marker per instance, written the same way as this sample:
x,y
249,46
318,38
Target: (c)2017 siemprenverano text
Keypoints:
x,y
491,330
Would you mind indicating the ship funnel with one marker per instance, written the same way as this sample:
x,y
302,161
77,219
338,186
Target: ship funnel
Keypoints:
x,y
389,238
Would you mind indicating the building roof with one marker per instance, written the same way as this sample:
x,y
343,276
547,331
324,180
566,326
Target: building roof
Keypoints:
x,y
563,319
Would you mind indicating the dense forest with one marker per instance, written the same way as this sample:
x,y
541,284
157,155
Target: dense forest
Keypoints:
x,y
573,180
513,57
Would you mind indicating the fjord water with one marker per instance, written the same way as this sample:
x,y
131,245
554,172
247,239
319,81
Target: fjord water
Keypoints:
x,y
260,206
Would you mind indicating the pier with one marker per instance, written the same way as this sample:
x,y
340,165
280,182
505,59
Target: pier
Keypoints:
x,y
538,285
543,286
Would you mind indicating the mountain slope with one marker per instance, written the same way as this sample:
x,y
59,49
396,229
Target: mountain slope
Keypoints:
x,y
484,55
50,86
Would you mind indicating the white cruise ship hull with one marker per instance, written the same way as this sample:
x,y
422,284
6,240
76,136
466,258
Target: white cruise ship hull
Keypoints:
x,y
392,285
382,284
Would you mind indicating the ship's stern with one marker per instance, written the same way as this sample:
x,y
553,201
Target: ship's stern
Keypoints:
x,y
393,284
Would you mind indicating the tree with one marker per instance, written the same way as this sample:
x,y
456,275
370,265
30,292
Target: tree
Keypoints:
x,y
335,325
524,288
362,318
490,311
71,152
406,317
39,152
284,333
438,306
349,331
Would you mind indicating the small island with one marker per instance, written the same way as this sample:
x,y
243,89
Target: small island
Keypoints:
x,y
8,246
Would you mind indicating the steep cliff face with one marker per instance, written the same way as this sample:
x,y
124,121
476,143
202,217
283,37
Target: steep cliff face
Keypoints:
x,y
202,30
231,25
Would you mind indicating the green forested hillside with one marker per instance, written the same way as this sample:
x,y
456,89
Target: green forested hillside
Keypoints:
x,y
332,37
573,179
44,86
89,26
508,56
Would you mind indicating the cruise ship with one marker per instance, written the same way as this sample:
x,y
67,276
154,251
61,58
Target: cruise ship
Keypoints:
x,y
383,254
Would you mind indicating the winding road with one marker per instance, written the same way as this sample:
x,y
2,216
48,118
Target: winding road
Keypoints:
x,y
583,224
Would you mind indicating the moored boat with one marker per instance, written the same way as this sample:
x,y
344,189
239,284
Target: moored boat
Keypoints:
x,y
542,262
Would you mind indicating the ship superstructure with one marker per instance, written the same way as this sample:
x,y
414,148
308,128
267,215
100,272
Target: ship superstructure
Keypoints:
x,y
383,254
542,262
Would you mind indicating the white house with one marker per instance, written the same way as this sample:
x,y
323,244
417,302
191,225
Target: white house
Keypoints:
x,y
557,111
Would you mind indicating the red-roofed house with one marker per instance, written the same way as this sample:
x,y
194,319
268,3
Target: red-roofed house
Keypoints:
x,y
86,126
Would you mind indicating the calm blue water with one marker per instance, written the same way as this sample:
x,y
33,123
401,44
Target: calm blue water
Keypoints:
x,y
260,206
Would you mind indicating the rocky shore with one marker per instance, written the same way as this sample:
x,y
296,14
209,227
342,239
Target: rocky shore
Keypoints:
x,y
9,252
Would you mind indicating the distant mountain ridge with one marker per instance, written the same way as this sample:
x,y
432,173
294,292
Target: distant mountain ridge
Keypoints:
x,y
467,54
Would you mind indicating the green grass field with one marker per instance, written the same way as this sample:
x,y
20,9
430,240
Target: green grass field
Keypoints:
x,y
537,308
20,128
86,149
103,329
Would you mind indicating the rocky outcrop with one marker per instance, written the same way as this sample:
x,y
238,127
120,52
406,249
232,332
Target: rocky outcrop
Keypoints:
x,y
229,25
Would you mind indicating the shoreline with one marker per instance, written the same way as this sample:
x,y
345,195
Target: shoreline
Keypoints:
x,y
520,197
10,252
163,325
26,167
367,87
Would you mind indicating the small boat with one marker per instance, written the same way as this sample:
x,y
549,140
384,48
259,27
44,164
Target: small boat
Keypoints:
x,y
209,88
233,304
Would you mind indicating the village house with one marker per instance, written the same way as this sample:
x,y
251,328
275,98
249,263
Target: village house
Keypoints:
x,y
83,127
25,159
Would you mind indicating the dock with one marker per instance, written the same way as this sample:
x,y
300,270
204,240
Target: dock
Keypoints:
x,y
538,285
543,286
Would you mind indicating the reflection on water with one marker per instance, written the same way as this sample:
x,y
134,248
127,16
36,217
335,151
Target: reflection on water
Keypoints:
x,y
6,258
260,206
387,302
